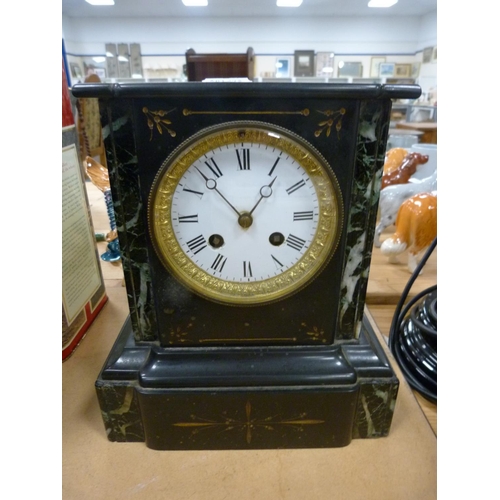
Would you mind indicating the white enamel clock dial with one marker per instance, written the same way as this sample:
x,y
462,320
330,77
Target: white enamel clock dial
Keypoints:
x,y
245,213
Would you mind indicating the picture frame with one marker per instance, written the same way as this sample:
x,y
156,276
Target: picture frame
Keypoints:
x,y
434,54
354,69
136,69
325,64
76,71
375,65
415,70
303,63
283,67
402,70
386,69
427,54
112,60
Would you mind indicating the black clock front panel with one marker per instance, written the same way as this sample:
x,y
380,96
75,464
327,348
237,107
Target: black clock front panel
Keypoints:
x,y
184,316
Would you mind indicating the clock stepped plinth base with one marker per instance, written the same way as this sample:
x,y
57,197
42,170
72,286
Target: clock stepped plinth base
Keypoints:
x,y
246,398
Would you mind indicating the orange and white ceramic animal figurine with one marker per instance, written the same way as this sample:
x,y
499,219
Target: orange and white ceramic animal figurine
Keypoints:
x,y
416,228
392,197
393,159
402,174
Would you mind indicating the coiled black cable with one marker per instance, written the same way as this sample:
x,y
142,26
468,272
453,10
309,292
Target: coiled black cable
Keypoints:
x,y
413,335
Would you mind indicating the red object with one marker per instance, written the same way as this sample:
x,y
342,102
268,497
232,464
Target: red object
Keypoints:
x,y
90,316
67,113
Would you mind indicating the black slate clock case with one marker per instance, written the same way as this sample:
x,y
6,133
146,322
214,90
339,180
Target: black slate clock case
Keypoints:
x,y
206,322
305,371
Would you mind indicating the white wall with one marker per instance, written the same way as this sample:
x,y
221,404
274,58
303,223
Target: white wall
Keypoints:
x,y
427,35
164,41
173,36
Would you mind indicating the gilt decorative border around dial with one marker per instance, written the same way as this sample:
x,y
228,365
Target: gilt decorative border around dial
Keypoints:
x,y
247,293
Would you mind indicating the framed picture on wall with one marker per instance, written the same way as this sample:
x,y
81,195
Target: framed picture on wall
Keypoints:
x,y
386,69
375,65
434,54
427,55
324,64
415,70
283,67
304,63
354,69
76,71
402,70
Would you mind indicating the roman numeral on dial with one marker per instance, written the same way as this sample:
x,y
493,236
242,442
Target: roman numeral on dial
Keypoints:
x,y
188,218
303,215
247,269
197,244
296,186
219,262
276,261
213,167
197,193
243,158
295,242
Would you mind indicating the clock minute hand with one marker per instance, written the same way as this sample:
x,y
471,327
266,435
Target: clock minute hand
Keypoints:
x,y
212,185
265,192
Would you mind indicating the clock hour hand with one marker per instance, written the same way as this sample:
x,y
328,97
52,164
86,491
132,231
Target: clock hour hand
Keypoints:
x,y
212,185
265,192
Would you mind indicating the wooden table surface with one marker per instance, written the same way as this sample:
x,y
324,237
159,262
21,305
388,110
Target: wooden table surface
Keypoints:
x,y
382,316
385,286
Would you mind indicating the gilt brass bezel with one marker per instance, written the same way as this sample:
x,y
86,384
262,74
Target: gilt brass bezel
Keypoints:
x,y
265,291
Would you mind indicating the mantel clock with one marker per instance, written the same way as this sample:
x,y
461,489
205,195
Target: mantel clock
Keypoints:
x,y
246,214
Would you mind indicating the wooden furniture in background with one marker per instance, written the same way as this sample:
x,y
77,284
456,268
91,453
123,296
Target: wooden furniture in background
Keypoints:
x,y
201,66
429,130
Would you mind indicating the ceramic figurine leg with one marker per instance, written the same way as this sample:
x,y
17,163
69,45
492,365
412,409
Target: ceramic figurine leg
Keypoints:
x,y
393,259
412,262
378,232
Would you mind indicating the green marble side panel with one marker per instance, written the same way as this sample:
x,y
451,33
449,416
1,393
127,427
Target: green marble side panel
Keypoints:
x,y
120,411
375,408
370,150
118,133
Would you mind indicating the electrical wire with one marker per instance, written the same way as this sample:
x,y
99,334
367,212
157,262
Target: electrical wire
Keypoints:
x,y
413,335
